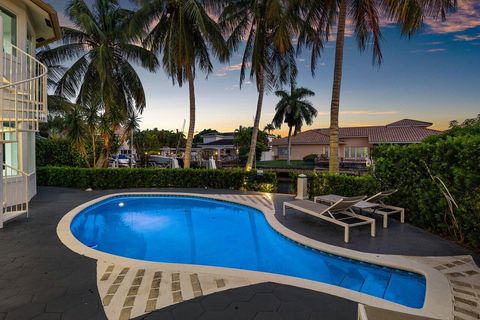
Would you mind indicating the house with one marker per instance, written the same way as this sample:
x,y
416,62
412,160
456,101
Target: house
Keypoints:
x,y
24,26
219,145
355,143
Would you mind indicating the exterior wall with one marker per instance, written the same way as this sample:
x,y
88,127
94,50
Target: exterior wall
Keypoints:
x,y
300,151
210,138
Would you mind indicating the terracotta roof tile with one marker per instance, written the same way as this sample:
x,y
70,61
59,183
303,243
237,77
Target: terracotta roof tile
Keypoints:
x,y
403,131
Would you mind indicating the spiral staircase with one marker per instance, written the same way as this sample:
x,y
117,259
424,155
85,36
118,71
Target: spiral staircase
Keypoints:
x,y
23,105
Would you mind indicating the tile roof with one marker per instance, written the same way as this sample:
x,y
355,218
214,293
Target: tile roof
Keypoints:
x,y
403,131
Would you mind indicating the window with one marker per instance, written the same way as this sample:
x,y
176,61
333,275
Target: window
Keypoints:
x,y
9,30
10,154
283,151
357,153
31,151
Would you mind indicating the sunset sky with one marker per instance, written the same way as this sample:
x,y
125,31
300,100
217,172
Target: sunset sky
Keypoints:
x,y
435,76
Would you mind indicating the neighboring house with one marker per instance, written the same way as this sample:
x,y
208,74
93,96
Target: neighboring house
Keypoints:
x,y
355,143
24,26
219,145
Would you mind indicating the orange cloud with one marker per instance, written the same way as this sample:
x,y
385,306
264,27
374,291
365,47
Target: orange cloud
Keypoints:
x,y
466,17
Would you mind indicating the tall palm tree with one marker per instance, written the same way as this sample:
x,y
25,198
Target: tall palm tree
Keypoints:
x,y
268,28
184,33
76,131
102,49
294,109
322,16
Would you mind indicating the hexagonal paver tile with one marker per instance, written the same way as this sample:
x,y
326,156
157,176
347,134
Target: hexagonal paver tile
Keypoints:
x,y
265,301
25,312
240,294
294,310
264,287
268,316
215,302
48,316
240,311
187,311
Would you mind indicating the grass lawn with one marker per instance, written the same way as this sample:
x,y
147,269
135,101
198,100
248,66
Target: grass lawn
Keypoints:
x,y
295,164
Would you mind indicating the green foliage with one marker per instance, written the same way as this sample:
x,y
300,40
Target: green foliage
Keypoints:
x,y
57,152
156,178
243,136
341,184
294,164
453,157
310,157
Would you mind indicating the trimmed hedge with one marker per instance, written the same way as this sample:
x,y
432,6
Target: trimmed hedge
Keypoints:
x,y
455,159
57,152
341,184
155,178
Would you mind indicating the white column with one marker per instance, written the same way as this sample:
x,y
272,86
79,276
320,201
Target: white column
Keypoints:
x,y
302,187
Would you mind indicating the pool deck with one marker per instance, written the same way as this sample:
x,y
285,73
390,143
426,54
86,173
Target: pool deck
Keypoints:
x,y
42,279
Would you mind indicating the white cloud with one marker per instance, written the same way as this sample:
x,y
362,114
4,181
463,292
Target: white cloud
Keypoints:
x,y
467,16
466,37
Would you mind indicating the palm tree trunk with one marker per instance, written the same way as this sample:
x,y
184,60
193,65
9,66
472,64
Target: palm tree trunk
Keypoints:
x,y
191,126
94,151
289,144
337,81
256,124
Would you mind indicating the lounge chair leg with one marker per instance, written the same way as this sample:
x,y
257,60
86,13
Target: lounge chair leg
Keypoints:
x,y
402,216
372,232
385,221
347,234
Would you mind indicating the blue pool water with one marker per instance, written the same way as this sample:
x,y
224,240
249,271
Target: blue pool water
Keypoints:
x,y
216,233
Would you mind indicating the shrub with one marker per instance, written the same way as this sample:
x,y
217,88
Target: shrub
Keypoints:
x,y
155,178
341,184
56,152
310,157
453,157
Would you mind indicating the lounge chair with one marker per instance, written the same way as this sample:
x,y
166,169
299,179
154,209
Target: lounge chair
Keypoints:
x,y
339,213
384,209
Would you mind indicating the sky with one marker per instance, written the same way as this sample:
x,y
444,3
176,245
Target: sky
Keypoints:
x,y
434,76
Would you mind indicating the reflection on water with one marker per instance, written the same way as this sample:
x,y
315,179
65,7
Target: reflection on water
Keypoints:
x,y
208,232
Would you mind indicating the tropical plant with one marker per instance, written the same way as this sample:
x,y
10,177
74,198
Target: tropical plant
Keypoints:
x,y
184,33
130,126
102,49
268,28
76,131
243,137
294,109
322,16
269,128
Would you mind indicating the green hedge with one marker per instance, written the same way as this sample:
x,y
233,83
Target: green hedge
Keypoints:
x,y
341,184
453,157
57,152
155,178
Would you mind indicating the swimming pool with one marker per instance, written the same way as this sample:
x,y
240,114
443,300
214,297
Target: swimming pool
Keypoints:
x,y
194,230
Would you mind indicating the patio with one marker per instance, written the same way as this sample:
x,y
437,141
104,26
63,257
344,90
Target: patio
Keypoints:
x,y
42,279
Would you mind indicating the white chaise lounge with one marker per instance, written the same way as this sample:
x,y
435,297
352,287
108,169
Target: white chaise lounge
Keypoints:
x,y
339,213
384,209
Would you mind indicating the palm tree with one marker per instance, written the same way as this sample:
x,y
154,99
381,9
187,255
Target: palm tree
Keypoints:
x,y
130,126
322,16
92,119
294,109
268,28
101,47
269,128
76,131
185,35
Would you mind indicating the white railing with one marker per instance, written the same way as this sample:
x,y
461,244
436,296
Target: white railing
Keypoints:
x,y
23,93
15,193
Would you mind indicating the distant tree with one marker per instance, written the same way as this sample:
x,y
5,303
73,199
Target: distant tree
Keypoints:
x,y
198,137
294,109
243,136
269,128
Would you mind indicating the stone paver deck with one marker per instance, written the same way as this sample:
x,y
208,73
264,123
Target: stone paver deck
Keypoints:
x,y
42,279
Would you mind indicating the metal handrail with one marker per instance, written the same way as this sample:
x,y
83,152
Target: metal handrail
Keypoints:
x,y
43,74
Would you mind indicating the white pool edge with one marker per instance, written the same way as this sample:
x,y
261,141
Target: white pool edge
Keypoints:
x,y
438,297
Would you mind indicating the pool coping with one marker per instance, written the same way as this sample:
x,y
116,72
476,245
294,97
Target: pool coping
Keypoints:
x,y
438,297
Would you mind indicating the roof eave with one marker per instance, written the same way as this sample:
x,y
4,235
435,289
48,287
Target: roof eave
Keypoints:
x,y
53,19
